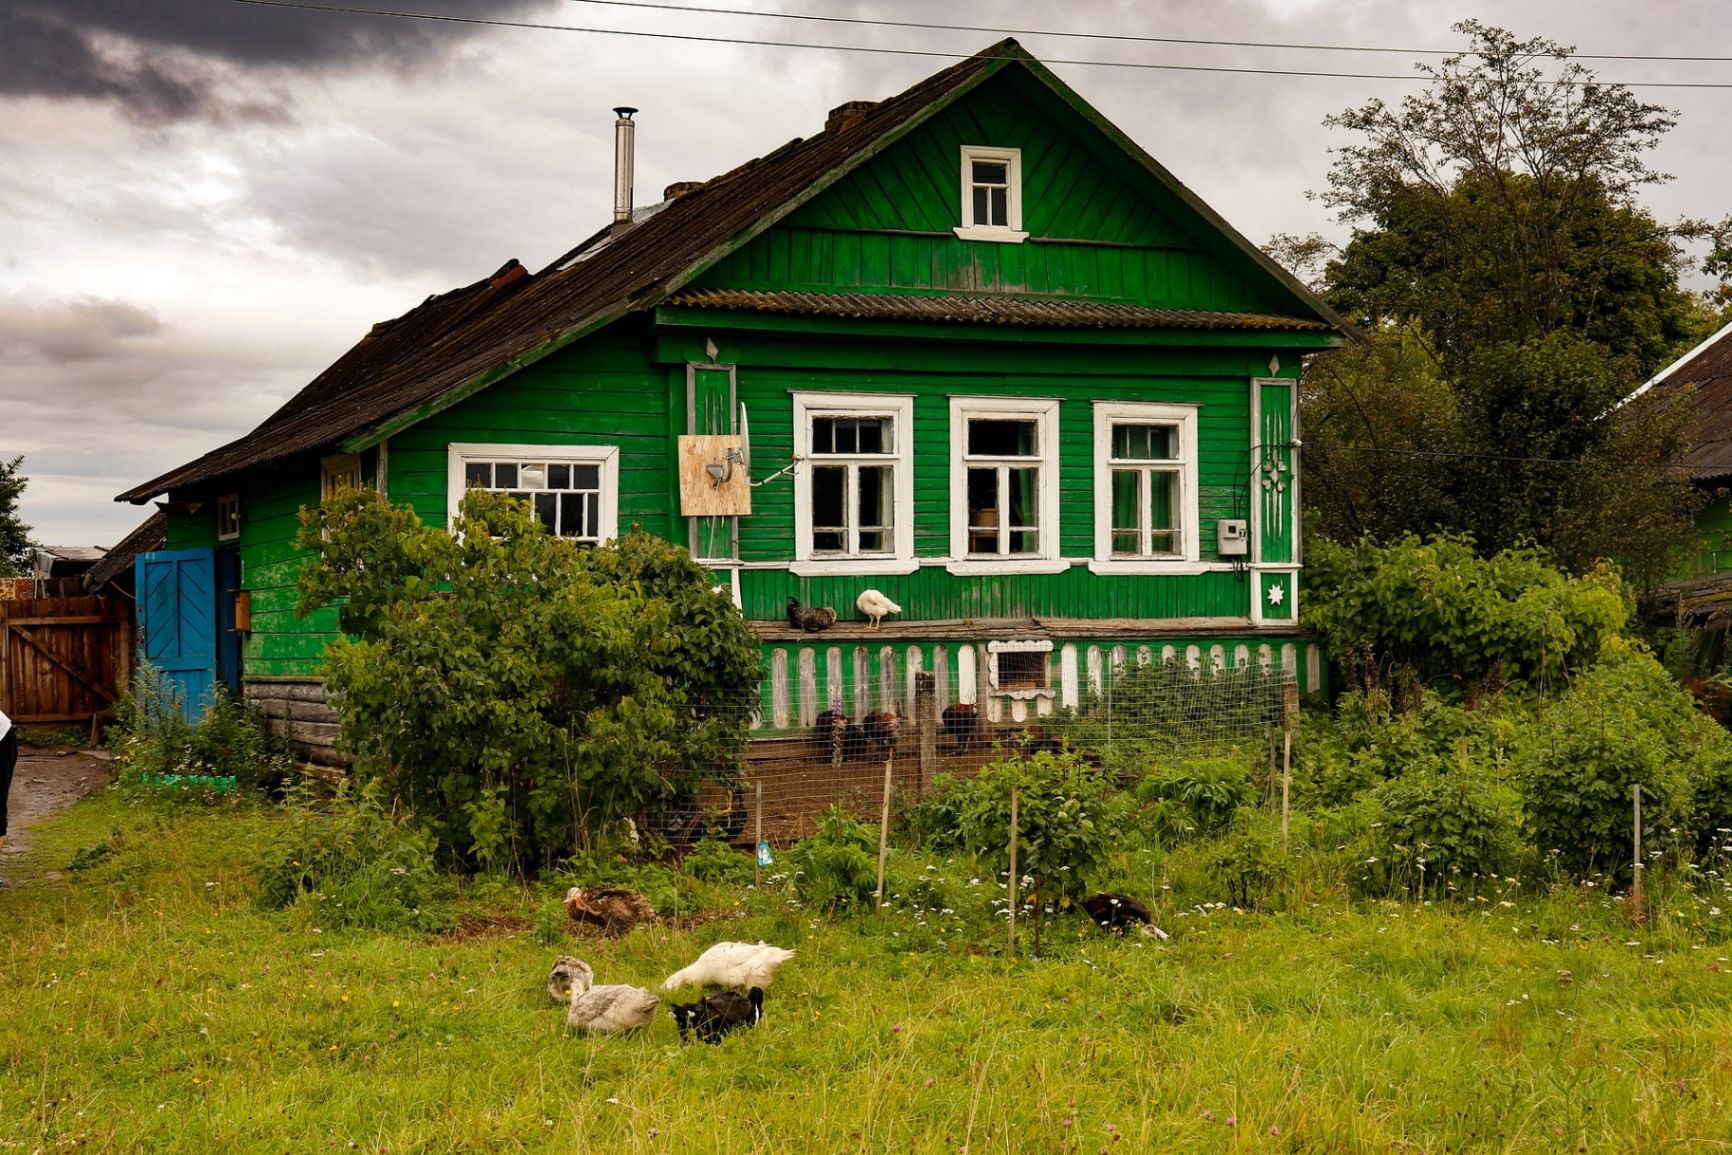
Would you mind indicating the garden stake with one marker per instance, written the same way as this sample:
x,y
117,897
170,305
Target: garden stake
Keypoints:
x,y
1636,873
758,837
884,833
1015,890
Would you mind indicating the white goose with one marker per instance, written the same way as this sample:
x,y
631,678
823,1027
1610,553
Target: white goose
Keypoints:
x,y
607,1010
737,966
875,605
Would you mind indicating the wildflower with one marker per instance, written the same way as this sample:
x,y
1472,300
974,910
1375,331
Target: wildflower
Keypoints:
x,y
896,1028
1067,1121
1274,1129
929,1082
1232,1120
1209,1115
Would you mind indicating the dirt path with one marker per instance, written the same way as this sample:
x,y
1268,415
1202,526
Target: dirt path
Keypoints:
x,y
45,782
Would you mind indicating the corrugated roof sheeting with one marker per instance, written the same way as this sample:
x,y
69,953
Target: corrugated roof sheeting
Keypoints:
x,y
1708,375
1045,312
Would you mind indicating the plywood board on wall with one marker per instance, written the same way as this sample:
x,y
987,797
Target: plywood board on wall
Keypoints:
x,y
700,496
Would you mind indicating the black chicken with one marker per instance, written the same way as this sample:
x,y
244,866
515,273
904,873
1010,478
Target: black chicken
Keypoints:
x,y
812,620
713,1016
1115,911
961,722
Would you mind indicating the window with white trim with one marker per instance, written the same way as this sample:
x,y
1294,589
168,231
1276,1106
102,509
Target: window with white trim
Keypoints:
x,y
228,517
1145,483
854,490
339,472
572,489
991,194
1004,479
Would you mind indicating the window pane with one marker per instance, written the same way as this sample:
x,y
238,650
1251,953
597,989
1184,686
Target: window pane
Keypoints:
x,y
1000,206
980,212
505,475
1024,497
1025,541
547,510
829,513
872,541
1145,442
1126,482
594,520
478,473
992,437
572,522
991,172
532,476
1163,499
1022,670
874,433
1165,541
559,477
1127,541
586,477
823,435
875,497
983,511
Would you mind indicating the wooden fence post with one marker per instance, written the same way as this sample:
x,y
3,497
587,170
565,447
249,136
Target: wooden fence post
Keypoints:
x,y
758,832
926,717
1636,872
884,832
1289,719
1015,879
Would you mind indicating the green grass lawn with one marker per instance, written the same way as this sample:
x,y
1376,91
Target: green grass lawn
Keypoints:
x,y
148,1005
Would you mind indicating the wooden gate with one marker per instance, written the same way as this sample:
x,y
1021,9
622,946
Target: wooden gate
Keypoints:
x,y
62,659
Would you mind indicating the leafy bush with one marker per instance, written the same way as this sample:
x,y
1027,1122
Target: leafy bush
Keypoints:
x,y
837,866
934,821
1443,819
523,693
1199,795
712,860
1246,861
1451,617
1068,819
1622,723
358,863
158,749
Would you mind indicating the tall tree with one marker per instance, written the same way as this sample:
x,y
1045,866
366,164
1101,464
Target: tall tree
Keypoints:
x,y
14,534
1515,293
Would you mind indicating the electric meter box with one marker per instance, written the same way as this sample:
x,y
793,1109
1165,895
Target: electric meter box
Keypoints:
x,y
1232,537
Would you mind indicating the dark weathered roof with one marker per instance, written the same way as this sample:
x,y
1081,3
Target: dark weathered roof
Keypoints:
x,y
452,345
1042,311
151,534
1706,373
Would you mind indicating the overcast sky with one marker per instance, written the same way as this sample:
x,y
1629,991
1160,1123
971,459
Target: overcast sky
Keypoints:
x,y
203,203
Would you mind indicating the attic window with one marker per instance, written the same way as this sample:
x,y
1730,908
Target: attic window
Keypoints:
x,y
342,471
991,194
228,517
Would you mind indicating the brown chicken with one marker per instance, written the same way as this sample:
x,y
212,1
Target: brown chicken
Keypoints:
x,y
611,908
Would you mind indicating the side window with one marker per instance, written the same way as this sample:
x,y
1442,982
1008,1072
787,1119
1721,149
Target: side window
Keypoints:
x,y
340,472
991,202
854,492
573,489
1004,479
228,517
1145,483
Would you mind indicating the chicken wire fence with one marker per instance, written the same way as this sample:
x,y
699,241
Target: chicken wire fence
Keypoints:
x,y
1127,712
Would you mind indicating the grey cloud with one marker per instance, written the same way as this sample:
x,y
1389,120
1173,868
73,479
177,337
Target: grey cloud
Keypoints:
x,y
159,63
63,332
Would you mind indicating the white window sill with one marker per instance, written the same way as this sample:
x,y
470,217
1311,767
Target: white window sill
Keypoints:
x,y
857,567
991,233
1129,567
983,566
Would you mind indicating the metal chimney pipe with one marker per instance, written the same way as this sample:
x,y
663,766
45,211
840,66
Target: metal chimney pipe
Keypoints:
x,y
624,132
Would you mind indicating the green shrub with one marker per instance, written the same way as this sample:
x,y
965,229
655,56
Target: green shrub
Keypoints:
x,y
524,694
1246,861
353,862
1622,723
712,860
1198,796
934,821
837,866
159,751
1453,618
1444,819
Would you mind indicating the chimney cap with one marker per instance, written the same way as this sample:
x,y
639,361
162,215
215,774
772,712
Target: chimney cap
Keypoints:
x,y
847,113
624,111
681,187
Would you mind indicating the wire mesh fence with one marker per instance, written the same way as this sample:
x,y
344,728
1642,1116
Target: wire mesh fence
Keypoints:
x,y
1130,712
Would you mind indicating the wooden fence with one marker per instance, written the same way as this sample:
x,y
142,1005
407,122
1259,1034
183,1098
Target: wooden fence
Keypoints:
x,y
63,660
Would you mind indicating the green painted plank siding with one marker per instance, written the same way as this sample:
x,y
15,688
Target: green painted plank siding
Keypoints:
x,y
1713,552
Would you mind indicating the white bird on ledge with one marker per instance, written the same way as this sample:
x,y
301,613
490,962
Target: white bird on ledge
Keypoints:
x,y
875,605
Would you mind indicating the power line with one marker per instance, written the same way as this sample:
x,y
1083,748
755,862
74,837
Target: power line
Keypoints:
x,y
1110,36
879,50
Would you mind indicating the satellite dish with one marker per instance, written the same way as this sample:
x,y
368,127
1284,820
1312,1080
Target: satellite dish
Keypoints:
x,y
745,440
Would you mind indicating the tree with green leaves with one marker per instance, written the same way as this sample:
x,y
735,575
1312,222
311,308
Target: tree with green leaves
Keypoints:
x,y
1514,293
524,695
14,534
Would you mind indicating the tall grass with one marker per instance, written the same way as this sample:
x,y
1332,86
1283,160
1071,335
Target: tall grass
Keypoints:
x,y
152,1004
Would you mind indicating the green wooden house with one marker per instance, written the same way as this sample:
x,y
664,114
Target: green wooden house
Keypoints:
x,y
969,346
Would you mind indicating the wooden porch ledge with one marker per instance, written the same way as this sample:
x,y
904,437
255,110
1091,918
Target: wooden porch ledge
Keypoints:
x,y
1004,629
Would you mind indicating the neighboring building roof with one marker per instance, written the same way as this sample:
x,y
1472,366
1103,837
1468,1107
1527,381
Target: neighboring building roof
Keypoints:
x,y
54,561
1048,312
1706,371
152,534
456,344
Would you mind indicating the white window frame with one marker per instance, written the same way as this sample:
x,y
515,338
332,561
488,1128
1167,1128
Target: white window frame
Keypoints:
x,y
228,512
1042,646
1045,414
1108,413
900,408
968,230
460,453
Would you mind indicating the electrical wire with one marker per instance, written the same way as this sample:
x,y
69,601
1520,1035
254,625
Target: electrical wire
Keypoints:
x,y
1117,37
879,50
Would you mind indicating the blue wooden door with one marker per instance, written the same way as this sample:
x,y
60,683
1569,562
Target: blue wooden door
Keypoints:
x,y
177,621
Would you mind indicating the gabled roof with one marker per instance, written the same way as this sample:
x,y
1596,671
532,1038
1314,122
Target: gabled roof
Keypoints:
x,y
453,345
1706,372
151,534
